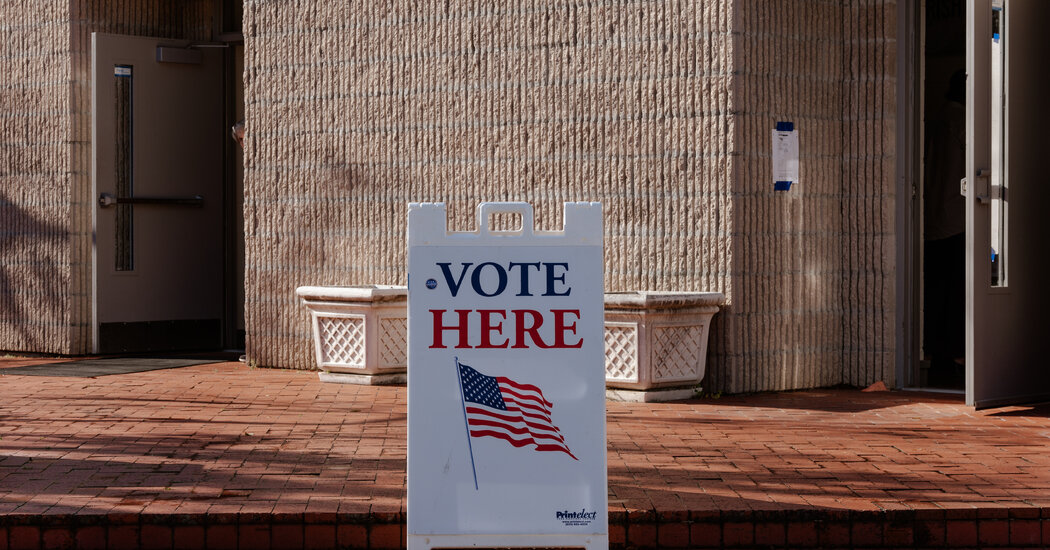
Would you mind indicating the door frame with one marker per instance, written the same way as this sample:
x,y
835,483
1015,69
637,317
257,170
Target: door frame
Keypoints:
x,y
910,77
978,158
233,195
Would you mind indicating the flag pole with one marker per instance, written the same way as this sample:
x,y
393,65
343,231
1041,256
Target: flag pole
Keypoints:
x,y
463,402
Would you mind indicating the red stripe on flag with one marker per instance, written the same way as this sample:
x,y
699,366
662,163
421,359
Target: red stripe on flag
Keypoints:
x,y
550,431
538,399
526,408
520,442
524,387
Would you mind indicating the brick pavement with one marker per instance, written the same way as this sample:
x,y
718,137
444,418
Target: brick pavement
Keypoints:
x,y
223,456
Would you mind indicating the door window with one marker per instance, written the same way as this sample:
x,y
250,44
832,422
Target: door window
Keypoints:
x,y
123,241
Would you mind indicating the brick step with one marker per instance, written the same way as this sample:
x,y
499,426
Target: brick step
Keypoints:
x,y
917,529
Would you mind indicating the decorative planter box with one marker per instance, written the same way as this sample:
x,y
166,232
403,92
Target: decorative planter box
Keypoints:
x,y
656,343
360,332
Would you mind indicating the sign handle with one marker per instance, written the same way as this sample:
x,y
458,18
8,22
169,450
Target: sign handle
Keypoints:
x,y
523,209
466,424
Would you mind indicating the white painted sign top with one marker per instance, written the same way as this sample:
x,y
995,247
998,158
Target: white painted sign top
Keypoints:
x,y
506,383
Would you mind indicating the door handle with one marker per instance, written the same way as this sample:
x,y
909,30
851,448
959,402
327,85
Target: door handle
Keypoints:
x,y
106,200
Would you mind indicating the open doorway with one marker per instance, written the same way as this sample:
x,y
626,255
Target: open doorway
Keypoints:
x,y
168,257
943,208
1003,46
232,15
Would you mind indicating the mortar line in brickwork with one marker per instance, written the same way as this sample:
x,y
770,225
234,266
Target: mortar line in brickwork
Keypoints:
x,y
308,31
401,92
664,116
481,161
46,115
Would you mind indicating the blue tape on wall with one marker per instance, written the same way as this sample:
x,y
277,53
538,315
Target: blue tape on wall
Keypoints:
x,y
781,186
785,126
997,15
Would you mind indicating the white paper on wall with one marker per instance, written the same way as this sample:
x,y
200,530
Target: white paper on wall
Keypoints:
x,y
785,159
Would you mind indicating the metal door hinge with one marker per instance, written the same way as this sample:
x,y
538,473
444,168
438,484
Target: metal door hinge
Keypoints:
x,y
980,190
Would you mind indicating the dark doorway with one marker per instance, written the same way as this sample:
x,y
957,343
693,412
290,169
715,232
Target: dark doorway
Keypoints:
x,y
231,16
943,207
169,226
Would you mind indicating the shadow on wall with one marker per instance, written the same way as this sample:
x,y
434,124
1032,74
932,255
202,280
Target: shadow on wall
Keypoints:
x,y
34,282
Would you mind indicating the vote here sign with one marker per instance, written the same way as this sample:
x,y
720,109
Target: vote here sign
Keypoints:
x,y
506,381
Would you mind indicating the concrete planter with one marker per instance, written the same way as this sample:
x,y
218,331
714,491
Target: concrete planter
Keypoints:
x,y
360,332
656,343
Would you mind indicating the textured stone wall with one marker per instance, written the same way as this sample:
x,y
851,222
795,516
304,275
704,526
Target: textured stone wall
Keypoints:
x,y
45,157
355,109
35,272
813,272
661,110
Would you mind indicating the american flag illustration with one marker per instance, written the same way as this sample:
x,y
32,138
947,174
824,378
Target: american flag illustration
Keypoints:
x,y
496,406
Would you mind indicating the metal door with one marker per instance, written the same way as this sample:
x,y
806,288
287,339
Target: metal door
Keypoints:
x,y
1007,194
158,130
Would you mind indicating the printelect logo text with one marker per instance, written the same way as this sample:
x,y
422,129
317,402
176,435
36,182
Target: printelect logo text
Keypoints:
x,y
582,514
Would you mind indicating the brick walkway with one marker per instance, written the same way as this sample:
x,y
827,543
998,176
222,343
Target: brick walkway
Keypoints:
x,y
225,456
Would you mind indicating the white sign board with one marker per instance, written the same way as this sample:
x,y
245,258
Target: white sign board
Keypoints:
x,y
506,381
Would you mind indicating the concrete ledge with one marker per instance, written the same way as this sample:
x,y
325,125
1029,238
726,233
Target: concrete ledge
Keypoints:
x,y
650,396
358,293
364,379
648,299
